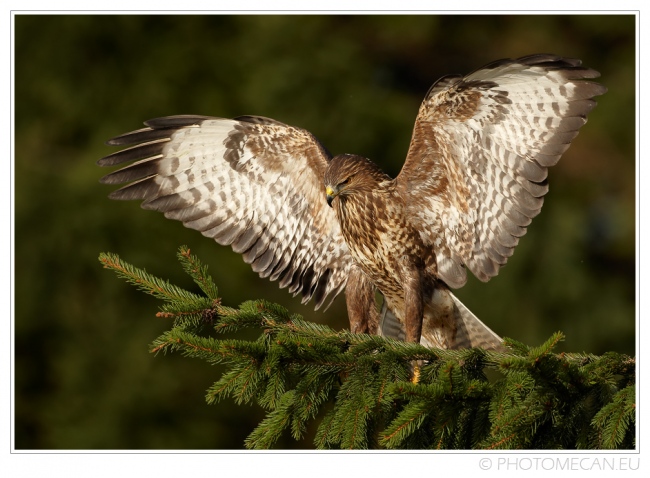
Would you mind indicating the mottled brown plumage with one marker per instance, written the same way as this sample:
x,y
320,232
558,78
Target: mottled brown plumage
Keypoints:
x,y
474,177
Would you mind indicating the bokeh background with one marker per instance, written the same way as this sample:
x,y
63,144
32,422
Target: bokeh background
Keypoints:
x,y
84,378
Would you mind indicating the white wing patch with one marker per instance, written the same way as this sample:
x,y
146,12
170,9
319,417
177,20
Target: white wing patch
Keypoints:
x,y
253,184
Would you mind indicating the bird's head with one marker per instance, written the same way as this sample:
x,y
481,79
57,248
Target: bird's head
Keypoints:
x,y
348,174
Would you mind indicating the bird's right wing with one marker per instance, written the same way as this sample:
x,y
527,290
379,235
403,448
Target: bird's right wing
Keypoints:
x,y
252,183
476,170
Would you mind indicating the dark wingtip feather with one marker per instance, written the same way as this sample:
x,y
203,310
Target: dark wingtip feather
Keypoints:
x,y
542,59
118,140
545,60
143,189
254,119
135,153
320,289
593,89
176,121
144,135
133,172
157,129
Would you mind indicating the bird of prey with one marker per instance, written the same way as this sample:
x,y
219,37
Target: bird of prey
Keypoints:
x,y
474,177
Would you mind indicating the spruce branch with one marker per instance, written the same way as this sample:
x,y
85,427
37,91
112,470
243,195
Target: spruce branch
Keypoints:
x,y
612,422
356,389
198,272
146,282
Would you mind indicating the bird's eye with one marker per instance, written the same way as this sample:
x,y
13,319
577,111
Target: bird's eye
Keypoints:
x,y
346,181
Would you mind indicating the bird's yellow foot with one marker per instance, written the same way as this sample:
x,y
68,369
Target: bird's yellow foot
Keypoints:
x,y
415,375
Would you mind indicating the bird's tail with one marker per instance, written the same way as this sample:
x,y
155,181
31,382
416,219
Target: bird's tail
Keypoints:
x,y
470,331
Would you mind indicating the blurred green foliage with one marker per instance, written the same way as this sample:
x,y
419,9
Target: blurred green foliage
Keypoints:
x,y
84,377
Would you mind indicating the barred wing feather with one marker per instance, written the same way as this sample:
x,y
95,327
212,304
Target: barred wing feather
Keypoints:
x,y
252,183
476,170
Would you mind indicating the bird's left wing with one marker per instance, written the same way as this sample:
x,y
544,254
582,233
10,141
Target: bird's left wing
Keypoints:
x,y
475,174
252,183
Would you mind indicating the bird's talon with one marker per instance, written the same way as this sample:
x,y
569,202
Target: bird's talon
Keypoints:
x,y
415,375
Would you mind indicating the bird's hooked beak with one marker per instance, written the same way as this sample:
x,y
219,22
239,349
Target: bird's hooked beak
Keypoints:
x,y
331,194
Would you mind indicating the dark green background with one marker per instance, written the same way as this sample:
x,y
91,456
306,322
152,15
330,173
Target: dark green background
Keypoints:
x,y
84,377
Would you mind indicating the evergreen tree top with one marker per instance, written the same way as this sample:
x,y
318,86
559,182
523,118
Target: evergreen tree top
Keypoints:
x,y
360,391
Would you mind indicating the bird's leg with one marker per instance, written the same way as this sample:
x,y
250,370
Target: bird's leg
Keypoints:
x,y
413,313
414,304
360,300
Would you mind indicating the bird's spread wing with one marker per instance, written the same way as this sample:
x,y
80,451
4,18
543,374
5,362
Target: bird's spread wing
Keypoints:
x,y
475,174
252,183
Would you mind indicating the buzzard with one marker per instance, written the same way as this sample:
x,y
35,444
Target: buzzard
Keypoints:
x,y
474,177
